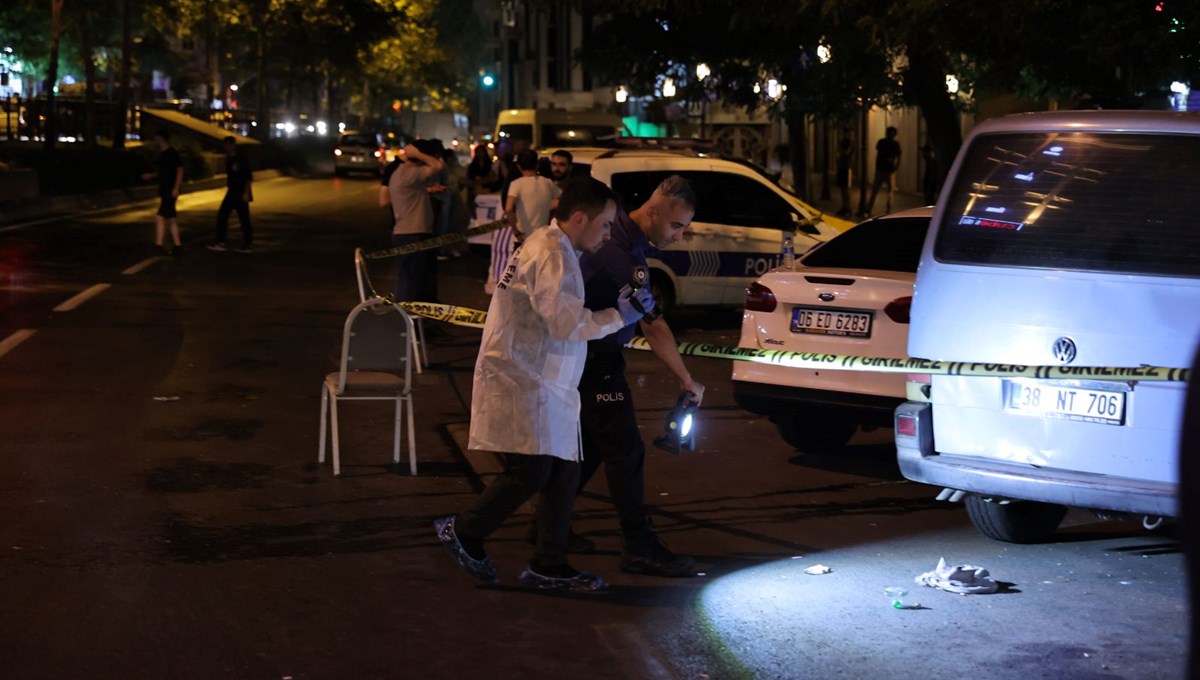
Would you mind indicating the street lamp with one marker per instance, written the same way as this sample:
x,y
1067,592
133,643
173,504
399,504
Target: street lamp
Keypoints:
x,y
952,84
668,87
621,95
702,71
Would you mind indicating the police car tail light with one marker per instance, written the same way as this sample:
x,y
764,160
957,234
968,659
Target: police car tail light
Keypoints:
x,y
897,310
759,298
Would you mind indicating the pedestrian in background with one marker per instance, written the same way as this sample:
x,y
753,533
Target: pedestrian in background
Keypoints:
x,y
562,165
238,195
452,217
525,398
531,197
845,161
608,419
170,185
887,161
412,212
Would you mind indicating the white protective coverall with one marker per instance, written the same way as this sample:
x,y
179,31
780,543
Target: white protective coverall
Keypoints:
x,y
525,396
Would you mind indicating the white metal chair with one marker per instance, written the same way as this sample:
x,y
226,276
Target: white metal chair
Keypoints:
x,y
376,363
364,287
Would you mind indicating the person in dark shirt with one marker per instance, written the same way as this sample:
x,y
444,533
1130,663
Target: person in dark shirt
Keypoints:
x,y
887,161
170,184
237,197
608,421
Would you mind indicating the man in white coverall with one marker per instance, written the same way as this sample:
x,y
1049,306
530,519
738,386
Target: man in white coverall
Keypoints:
x,y
525,397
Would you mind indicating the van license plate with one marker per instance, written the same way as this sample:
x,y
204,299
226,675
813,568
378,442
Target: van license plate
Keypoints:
x,y
1047,400
831,322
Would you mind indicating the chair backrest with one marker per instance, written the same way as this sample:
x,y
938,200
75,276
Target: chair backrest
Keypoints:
x,y
377,337
360,272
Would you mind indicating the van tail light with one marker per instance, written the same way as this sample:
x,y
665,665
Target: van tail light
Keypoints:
x,y
918,386
759,298
897,310
906,425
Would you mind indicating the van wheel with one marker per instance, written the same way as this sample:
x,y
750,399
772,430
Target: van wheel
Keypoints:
x,y
1014,521
663,291
819,432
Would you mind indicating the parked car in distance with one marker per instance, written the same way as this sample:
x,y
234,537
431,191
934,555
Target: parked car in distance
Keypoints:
x,y
358,152
848,296
1063,239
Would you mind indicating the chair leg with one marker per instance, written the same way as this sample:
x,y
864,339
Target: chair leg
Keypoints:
x,y
418,345
396,432
412,440
333,422
324,416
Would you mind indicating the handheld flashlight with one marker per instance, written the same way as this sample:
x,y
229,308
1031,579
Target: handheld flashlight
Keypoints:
x,y
679,431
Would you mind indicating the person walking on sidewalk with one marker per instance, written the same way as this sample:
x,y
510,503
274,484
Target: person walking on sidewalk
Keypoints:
x,y
238,196
170,185
887,161
525,398
607,415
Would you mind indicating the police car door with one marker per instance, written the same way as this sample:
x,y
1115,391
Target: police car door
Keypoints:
x,y
744,221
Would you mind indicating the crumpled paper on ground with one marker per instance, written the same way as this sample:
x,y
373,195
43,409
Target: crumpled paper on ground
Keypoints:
x,y
817,570
964,579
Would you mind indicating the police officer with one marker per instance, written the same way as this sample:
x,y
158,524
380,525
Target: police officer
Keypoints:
x,y
525,397
607,416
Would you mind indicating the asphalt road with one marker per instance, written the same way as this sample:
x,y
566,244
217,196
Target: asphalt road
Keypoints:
x,y
163,514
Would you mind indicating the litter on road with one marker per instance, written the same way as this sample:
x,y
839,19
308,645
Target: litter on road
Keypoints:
x,y
964,579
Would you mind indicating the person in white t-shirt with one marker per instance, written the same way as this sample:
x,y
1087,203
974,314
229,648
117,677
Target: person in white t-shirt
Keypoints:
x,y
530,197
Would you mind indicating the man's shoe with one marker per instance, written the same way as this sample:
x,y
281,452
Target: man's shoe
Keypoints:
x,y
576,544
219,247
561,578
646,554
245,251
482,569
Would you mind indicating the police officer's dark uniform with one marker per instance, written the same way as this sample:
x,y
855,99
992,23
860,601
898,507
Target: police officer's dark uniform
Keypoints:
x,y
607,417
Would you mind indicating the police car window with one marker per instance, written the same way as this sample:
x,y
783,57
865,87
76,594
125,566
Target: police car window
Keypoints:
x,y
892,245
633,188
1121,203
749,203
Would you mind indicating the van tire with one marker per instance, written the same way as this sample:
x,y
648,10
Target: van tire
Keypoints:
x,y
815,432
1015,521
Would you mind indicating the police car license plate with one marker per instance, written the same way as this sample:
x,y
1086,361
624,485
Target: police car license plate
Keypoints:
x,y
1043,399
820,321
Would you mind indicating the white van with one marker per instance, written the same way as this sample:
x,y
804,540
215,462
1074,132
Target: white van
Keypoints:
x,y
547,129
1067,238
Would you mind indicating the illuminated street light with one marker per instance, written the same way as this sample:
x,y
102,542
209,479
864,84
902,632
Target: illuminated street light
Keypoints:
x,y
621,94
952,84
233,87
824,53
702,71
668,87
773,90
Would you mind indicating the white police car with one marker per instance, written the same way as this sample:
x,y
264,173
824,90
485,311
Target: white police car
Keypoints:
x,y
1064,239
737,233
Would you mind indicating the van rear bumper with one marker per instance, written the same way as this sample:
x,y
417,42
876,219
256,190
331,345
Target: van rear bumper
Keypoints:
x,y
919,462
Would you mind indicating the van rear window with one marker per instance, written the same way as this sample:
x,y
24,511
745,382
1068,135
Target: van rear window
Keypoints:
x,y
1108,202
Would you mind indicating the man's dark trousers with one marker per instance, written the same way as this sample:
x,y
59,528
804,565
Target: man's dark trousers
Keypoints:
x,y
610,435
230,203
524,477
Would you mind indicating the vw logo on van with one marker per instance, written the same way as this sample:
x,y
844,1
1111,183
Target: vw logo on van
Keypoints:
x,y
1064,350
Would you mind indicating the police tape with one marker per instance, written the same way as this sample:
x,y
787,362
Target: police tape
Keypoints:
x,y
436,241
474,318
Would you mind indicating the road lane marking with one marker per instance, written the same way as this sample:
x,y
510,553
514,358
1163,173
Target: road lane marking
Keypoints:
x,y
15,339
83,297
142,265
